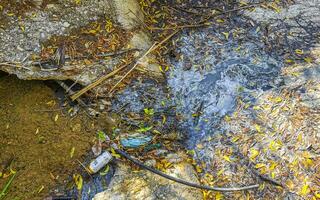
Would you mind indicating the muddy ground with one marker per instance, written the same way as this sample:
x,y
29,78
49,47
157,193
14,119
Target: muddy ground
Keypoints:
x,y
37,138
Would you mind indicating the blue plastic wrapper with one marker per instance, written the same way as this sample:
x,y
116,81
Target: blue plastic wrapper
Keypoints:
x,y
135,141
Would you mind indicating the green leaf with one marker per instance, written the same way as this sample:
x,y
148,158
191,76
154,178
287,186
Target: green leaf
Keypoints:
x,y
105,171
145,129
101,135
149,112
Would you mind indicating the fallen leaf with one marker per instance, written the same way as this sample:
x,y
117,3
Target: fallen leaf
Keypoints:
x,y
56,117
226,35
78,181
72,152
253,153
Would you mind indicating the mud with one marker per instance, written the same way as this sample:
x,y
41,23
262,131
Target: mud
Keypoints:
x,y
37,141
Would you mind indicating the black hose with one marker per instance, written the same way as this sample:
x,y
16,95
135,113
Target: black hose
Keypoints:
x,y
140,164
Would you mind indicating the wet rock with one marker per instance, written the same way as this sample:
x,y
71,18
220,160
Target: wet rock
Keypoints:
x,y
127,184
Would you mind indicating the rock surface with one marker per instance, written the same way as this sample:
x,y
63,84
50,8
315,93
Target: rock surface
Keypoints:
x,y
23,36
142,184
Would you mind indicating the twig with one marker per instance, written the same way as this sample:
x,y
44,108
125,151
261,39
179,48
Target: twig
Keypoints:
x,y
152,48
134,66
17,65
97,82
70,92
39,63
85,168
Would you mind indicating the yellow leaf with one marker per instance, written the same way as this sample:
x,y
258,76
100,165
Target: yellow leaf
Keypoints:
x,y
226,35
78,181
70,110
273,146
22,28
51,103
227,158
219,196
308,162
164,119
258,128
40,189
273,175
275,7
253,153
299,51
72,152
277,99
220,172
260,165
290,184
256,108
273,165
200,146
205,194
163,69
308,59
289,61
304,190
227,118
56,117
114,154
198,169
220,20
105,171
93,31
262,186
299,138
235,139
317,194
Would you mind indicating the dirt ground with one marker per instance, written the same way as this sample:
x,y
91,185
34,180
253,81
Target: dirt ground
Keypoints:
x,y
37,138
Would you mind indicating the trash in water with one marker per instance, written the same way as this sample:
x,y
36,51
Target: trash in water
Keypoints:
x,y
99,162
135,141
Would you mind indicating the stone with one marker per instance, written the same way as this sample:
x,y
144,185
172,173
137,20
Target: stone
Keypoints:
x,y
58,19
129,184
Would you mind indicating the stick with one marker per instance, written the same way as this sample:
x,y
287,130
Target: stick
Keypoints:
x,y
17,65
152,48
96,83
85,168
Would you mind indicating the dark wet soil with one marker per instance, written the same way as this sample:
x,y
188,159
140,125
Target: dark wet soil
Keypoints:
x,y
36,139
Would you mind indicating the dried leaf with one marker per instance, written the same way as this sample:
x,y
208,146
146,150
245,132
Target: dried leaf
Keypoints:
x,y
78,181
72,152
56,117
253,153
226,35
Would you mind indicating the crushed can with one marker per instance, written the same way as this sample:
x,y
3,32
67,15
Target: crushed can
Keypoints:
x,y
99,162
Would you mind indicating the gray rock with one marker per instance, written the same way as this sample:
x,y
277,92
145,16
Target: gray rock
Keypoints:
x,y
17,43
